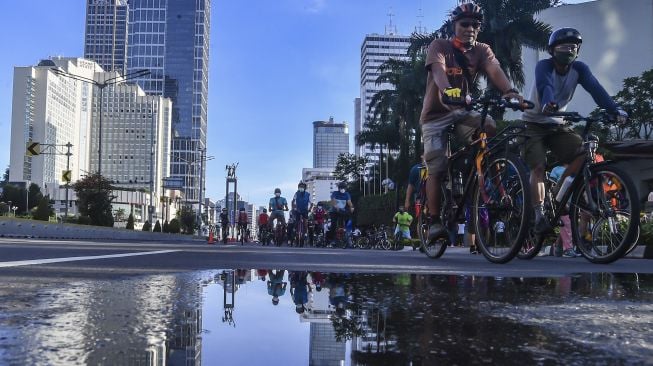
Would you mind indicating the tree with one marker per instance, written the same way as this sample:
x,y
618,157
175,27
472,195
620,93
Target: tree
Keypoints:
x,y
147,226
349,167
94,194
130,222
157,227
174,227
44,209
636,98
166,227
35,195
120,214
5,178
187,219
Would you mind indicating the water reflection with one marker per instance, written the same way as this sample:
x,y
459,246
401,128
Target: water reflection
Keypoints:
x,y
275,316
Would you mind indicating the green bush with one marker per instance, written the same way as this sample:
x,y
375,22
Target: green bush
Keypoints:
x,y
376,210
130,222
157,227
166,227
84,220
147,226
646,238
174,227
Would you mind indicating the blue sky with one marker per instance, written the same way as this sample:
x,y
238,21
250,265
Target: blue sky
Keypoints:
x,y
275,67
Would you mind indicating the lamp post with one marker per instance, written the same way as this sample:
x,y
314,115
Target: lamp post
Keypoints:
x,y
203,158
101,85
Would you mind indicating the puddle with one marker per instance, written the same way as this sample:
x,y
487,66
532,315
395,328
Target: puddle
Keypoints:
x,y
274,317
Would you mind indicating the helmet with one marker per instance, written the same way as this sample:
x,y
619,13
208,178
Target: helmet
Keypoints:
x,y
265,210
224,209
467,10
342,185
277,190
301,184
564,35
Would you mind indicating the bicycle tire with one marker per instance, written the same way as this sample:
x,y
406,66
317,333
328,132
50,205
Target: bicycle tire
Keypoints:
x,y
437,247
385,244
592,250
501,226
635,241
532,245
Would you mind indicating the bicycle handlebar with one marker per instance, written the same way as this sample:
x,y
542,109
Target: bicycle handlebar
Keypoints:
x,y
485,101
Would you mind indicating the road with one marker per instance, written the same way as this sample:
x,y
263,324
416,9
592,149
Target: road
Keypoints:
x,y
108,259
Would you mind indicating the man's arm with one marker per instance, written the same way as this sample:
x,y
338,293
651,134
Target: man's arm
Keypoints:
x,y
500,80
409,194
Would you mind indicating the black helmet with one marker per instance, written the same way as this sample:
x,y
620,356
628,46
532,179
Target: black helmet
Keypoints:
x,y
564,35
277,190
467,10
265,210
301,184
342,185
224,209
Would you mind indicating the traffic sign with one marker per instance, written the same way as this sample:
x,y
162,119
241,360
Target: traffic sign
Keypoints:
x,y
33,148
66,176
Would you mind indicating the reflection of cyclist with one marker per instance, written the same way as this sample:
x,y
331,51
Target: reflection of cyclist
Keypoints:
x,y
452,67
556,79
341,206
276,286
277,206
299,290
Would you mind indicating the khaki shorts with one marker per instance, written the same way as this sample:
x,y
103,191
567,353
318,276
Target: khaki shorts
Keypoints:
x,y
564,143
434,136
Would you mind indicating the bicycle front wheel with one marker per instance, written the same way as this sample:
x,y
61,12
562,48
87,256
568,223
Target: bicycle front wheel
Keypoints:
x,y
436,248
604,214
501,208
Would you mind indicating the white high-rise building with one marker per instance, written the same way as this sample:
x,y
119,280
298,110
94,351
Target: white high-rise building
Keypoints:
x,y
320,182
375,50
52,110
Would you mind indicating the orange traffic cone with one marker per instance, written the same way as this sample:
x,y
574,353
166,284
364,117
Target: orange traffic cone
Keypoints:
x,y
211,239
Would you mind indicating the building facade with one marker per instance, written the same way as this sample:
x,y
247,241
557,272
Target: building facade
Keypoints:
x,y
320,182
330,139
52,110
375,50
105,38
171,39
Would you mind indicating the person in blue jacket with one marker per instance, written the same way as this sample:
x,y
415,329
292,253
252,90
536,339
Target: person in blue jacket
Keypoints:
x,y
556,79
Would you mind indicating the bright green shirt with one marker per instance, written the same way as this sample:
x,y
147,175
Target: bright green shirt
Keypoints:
x,y
403,219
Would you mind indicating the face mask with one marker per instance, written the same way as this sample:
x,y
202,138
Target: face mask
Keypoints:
x,y
301,190
277,194
565,57
342,190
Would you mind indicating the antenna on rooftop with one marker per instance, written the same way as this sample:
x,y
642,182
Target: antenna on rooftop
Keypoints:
x,y
390,29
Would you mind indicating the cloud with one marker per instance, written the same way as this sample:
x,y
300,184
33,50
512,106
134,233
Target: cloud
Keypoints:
x,y
315,6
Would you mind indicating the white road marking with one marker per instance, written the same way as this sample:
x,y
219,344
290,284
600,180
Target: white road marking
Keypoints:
x,y
75,259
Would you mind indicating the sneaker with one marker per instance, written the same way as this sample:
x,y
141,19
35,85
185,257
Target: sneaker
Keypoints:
x,y
435,230
542,226
473,250
546,251
569,253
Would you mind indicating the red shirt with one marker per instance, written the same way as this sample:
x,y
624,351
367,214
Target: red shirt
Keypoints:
x,y
319,216
242,218
263,219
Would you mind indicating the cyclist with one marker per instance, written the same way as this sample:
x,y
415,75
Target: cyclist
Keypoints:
x,y
301,203
277,206
452,67
341,207
556,79
262,224
319,217
414,177
290,228
242,222
224,223
403,220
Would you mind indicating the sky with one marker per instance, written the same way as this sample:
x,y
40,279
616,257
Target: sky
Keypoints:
x,y
275,67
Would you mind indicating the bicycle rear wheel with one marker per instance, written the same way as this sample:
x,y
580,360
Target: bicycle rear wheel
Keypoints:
x,y
604,214
437,247
501,223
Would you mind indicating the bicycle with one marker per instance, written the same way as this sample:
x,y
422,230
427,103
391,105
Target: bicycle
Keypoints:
x,y
341,237
279,233
264,235
496,182
300,230
225,232
399,240
602,202
242,233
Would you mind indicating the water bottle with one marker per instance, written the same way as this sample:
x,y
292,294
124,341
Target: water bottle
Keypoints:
x,y
563,188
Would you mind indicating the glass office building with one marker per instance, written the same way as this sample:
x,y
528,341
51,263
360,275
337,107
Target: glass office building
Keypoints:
x,y
105,39
330,139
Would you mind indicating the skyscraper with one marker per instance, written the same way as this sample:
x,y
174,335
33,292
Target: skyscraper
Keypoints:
x,y
330,139
376,50
105,40
171,39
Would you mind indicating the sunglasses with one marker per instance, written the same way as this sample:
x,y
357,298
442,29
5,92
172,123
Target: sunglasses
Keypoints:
x,y
475,25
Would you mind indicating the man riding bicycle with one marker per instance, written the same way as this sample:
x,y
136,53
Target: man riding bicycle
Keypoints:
x,y
453,66
277,206
301,204
556,79
262,224
341,207
224,224
243,220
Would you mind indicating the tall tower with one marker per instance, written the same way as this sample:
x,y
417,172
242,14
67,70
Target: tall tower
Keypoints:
x,y
105,39
330,139
171,39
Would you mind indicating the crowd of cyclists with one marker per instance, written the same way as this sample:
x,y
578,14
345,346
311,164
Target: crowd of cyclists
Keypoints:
x,y
452,67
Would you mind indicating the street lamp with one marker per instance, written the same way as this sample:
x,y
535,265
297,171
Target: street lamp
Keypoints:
x,y
14,208
101,85
193,160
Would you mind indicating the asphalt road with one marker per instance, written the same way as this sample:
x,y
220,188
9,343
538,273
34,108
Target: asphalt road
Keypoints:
x,y
108,259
